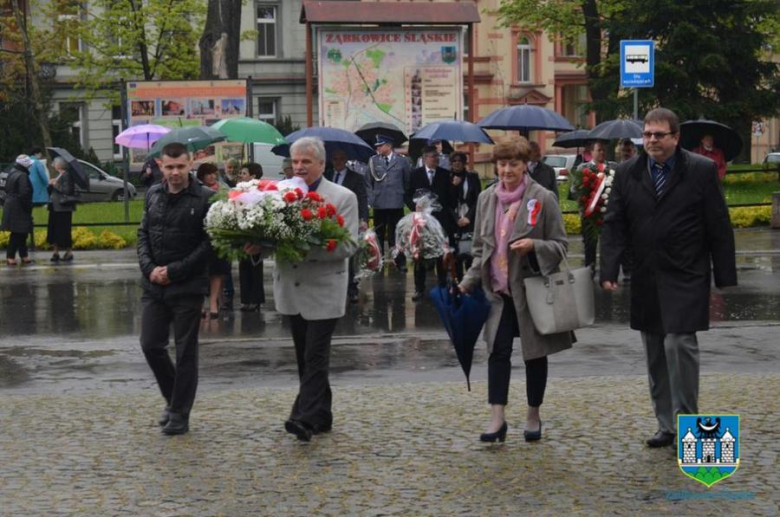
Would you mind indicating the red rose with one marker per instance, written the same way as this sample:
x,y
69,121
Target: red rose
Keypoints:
x,y
298,193
306,214
331,210
332,243
290,197
340,220
314,196
322,213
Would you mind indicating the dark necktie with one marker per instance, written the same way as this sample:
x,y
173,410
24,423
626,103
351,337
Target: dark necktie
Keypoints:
x,y
336,177
387,161
659,177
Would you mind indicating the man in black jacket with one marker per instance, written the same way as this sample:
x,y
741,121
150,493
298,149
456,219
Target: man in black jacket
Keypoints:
x,y
432,178
173,250
668,207
540,172
342,175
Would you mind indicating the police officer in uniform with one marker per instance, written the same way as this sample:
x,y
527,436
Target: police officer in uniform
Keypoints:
x,y
389,176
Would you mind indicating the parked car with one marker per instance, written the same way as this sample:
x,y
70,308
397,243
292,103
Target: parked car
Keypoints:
x,y
102,186
562,163
772,160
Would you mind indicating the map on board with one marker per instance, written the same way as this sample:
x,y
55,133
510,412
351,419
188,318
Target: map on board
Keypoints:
x,y
405,77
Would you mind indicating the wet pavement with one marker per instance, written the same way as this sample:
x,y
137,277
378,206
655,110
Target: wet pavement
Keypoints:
x,y
78,403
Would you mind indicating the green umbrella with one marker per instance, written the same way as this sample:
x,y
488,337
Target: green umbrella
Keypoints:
x,y
195,138
249,131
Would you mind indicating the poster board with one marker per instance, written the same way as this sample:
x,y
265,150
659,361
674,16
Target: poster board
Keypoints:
x,y
406,77
176,104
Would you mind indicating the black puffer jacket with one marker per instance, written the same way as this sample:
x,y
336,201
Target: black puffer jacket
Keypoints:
x,y
172,235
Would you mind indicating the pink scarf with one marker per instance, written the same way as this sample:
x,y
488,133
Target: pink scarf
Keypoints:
x,y
507,206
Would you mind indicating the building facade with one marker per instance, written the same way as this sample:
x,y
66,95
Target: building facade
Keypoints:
x,y
512,66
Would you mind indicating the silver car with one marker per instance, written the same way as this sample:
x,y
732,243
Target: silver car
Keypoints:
x,y
102,186
562,163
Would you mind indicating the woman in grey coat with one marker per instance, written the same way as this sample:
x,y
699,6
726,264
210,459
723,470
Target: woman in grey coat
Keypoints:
x,y
62,204
17,210
518,233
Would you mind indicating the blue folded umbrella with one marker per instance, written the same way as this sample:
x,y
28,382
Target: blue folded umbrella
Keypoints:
x,y
463,317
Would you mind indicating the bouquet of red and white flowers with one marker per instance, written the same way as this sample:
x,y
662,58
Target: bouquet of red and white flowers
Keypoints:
x,y
282,215
419,235
369,255
591,187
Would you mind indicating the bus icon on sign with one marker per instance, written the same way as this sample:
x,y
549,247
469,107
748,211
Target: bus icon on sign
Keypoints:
x,y
637,58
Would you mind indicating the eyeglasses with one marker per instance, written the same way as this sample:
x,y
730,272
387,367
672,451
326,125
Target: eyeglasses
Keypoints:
x,y
658,135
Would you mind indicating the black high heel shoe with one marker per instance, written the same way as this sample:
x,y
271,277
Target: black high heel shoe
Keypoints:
x,y
499,435
533,436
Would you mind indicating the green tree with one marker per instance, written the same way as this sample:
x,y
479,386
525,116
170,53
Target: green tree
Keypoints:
x,y
712,57
134,40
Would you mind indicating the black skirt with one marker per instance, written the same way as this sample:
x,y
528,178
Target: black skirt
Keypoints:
x,y
58,230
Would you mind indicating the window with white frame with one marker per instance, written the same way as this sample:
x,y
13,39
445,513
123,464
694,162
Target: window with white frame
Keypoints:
x,y
574,47
267,18
266,109
116,128
523,60
67,19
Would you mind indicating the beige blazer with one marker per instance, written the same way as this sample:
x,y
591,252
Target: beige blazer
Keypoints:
x,y
550,247
316,288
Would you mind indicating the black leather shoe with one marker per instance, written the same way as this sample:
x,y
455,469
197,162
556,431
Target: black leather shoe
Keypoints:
x,y
321,429
298,429
417,296
533,436
164,416
661,439
499,435
177,424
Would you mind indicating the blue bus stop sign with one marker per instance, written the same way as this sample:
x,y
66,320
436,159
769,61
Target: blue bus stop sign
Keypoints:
x,y
637,63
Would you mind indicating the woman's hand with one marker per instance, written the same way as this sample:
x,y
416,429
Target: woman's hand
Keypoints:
x,y
522,246
463,222
463,289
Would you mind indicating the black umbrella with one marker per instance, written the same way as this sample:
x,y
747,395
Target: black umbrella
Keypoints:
x,y
369,131
463,317
416,147
526,118
617,129
576,138
726,139
80,176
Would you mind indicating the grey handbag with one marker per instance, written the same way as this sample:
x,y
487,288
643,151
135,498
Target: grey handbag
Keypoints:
x,y
562,301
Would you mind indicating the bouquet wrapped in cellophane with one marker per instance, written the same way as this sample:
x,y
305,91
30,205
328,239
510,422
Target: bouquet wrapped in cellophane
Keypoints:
x,y
369,255
281,215
419,235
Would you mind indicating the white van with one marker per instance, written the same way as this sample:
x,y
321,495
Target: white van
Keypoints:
x,y
272,164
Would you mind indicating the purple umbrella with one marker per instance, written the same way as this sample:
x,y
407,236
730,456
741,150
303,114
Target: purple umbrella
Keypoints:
x,y
141,137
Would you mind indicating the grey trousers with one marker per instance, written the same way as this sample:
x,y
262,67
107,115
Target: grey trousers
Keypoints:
x,y
673,370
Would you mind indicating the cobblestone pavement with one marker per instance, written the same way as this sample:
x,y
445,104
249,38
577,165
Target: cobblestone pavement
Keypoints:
x,y
396,449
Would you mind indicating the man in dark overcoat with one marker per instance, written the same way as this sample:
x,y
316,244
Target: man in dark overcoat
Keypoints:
x,y
668,206
436,180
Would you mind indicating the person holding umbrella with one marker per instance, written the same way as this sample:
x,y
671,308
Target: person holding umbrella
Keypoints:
x,y
61,207
518,233
466,189
708,150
